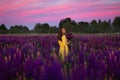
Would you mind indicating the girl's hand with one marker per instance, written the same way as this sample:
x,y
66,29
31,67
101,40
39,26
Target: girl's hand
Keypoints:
x,y
68,42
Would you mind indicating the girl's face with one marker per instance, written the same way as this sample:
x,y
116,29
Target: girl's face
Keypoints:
x,y
63,30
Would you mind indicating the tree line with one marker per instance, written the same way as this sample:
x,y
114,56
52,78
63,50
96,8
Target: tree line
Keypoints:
x,y
71,26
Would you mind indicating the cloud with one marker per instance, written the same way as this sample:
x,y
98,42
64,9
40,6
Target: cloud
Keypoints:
x,y
33,11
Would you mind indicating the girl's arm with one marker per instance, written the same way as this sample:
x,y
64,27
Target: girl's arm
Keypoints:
x,y
68,42
59,42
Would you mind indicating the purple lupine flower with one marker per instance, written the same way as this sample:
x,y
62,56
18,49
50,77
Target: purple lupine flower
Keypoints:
x,y
69,36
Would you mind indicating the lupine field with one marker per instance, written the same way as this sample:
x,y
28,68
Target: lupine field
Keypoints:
x,y
35,57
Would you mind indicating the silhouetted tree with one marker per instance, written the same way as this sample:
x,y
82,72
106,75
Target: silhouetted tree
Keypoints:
x,y
18,29
45,28
3,29
93,28
53,29
82,27
25,29
37,28
41,28
116,24
69,24
104,27
63,21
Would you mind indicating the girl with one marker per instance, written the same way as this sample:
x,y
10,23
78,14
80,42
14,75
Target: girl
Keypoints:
x,y
63,44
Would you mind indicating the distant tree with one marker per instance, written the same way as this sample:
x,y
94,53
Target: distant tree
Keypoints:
x,y
82,27
45,28
99,21
63,21
104,27
116,24
19,29
69,24
93,22
37,28
25,30
3,29
100,27
53,29
13,29
41,28
93,28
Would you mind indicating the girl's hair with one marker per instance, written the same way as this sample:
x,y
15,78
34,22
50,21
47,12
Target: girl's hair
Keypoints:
x,y
60,34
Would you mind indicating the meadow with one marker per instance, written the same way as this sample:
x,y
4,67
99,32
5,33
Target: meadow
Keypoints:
x,y
35,57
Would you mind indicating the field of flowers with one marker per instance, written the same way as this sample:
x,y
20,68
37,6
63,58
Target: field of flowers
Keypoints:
x,y
91,57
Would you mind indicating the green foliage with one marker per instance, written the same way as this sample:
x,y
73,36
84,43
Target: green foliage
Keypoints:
x,y
82,27
41,28
3,29
116,24
18,29
37,28
53,29
70,25
45,28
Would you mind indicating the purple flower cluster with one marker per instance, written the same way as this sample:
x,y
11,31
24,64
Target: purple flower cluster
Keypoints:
x,y
92,57
69,36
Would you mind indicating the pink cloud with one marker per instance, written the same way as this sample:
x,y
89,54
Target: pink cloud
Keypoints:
x,y
11,5
51,10
61,9
32,11
97,14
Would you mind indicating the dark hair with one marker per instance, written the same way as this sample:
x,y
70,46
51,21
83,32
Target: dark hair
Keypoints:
x,y
60,34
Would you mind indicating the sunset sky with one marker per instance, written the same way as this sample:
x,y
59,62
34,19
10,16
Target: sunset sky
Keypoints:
x,y
30,12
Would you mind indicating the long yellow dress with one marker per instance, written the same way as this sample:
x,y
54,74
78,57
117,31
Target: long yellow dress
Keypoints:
x,y
63,50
